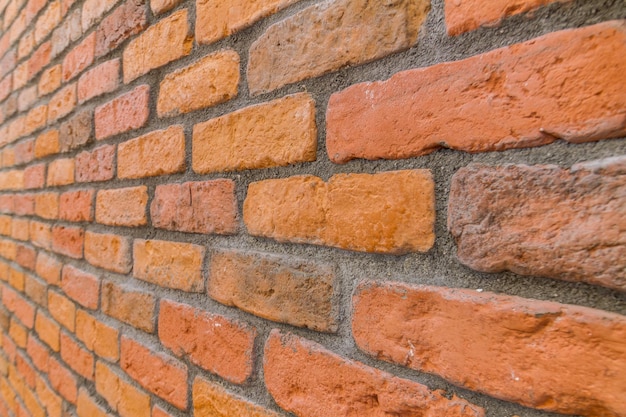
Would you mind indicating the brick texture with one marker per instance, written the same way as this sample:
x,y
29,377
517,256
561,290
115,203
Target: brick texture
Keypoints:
x,y
80,286
97,165
127,20
129,306
211,400
127,112
108,251
122,207
102,79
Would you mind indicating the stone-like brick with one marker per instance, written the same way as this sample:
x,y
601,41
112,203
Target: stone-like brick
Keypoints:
x,y
81,286
521,88
62,103
129,306
158,373
211,400
76,206
68,241
212,342
277,133
122,207
50,80
127,112
543,220
355,32
97,336
122,396
102,79
157,153
198,207
93,10
97,165
217,19
76,357
60,172
127,20
169,264
80,57
293,364
108,251
284,289
450,332
389,212
47,143
207,82
76,131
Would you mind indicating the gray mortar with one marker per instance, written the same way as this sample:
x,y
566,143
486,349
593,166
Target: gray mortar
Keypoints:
x,y
437,267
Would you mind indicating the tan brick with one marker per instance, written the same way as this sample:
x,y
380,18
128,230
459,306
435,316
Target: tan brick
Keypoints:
x,y
47,205
93,10
160,152
60,172
50,19
108,251
77,357
87,406
211,400
76,131
62,309
48,331
122,396
48,268
122,207
277,133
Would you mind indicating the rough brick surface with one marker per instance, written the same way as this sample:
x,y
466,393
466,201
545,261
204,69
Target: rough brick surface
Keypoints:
x,y
62,103
68,241
278,133
79,58
47,143
211,400
122,207
346,211
102,79
87,406
156,153
93,10
80,286
62,380
127,20
212,342
207,82
129,306
121,396
169,264
62,309
425,328
108,251
543,220
127,112
76,131
76,357
97,165
76,206
525,89
356,31
294,291
198,207
60,172
295,365
97,336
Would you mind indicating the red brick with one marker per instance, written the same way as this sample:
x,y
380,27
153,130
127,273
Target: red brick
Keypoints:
x,y
158,373
63,381
129,306
293,364
279,288
543,220
108,251
209,81
39,60
40,234
51,401
80,286
38,353
450,332
123,397
19,229
198,207
93,10
18,27
76,131
160,152
33,7
169,264
218,19
521,88
24,151
277,133
160,44
34,176
62,309
50,80
47,205
68,241
96,165
212,342
76,206
9,348
97,336
25,370
6,203
6,87
62,103
18,305
79,58
60,172
346,211
87,406
127,20
122,207
47,144
26,257
48,20
126,112
102,79
210,399
47,330
76,357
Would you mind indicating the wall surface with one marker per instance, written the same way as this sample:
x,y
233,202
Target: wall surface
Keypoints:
x,y
312,208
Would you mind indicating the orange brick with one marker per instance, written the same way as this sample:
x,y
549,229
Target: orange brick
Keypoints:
x,y
129,306
24,369
169,264
345,212
17,304
62,380
76,357
80,286
38,353
76,206
50,80
47,143
162,6
40,234
122,207
35,120
108,251
51,401
157,153
47,330
102,79
209,81
25,257
48,268
20,229
47,205
121,396
8,249
164,42
127,112
97,336
24,151
96,165
277,133
159,412
127,20
6,225
36,290
68,241
80,57
18,333
87,406
16,279
62,309
210,399
62,103
60,172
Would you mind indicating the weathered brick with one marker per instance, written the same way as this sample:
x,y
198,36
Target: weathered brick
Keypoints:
x,y
277,133
108,251
9,61
217,19
76,357
39,60
40,234
36,290
169,264
26,257
24,152
212,342
122,207
68,241
156,372
347,211
76,131
35,120
80,57
162,6
129,306
47,205
157,153
127,112
97,336
35,176
122,397
198,207
284,289
60,172
361,31
62,103
62,309
81,286
47,143
87,406
62,380
50,80
48,20
12,180
164,42
93,10
76,206
27,98
430,328
102,79
293,364
17,304
209,81
127,20
68,32
97,165
211,400
48,268
47,330
520,87
543,220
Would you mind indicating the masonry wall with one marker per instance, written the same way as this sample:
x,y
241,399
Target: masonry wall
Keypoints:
x,y
312,208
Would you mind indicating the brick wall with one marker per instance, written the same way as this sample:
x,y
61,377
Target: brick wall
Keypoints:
x,y
312,208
